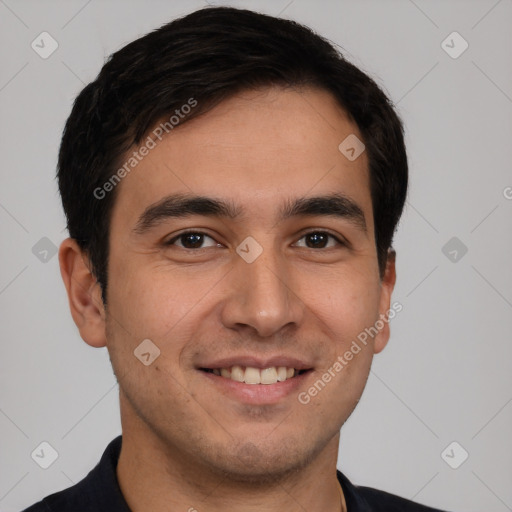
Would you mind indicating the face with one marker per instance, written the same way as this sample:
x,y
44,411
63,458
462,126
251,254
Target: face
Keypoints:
x,y
264,278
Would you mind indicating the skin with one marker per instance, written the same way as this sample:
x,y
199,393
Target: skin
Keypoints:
x,y
186,444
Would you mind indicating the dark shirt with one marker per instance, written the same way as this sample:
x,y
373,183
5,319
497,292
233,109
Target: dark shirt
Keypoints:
x,y
99,491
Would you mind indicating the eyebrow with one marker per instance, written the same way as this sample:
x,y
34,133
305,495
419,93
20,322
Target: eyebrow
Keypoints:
x,y
183,205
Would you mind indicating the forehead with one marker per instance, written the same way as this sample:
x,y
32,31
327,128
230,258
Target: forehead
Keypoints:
x,y
256,148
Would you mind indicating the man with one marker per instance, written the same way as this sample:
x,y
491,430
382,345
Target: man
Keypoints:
x,y
232,186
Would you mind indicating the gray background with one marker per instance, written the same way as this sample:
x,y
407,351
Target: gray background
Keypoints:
x,y
445,375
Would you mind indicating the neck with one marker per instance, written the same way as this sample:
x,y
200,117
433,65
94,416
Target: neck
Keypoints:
x,y
155,476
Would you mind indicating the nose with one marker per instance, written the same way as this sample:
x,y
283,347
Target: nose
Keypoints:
x,y
262,297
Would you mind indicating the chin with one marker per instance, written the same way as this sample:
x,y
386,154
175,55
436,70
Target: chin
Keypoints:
x,y
263,463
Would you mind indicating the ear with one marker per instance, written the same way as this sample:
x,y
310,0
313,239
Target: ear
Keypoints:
x,y
387,286
84,293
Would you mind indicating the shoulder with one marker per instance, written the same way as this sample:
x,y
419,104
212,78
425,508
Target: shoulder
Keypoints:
x,y
67,500
98,492
75,498
38,507
381,501
367,499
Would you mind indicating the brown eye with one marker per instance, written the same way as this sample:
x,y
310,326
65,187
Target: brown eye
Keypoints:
x,y
191,240
319,240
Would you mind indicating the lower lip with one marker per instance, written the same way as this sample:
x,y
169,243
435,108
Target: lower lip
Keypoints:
x,y
258,394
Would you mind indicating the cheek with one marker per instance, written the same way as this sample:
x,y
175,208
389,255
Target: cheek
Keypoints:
x,y
347,303
153,301
164,305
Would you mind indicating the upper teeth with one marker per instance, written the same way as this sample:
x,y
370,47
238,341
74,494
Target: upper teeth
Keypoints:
x,y
251,375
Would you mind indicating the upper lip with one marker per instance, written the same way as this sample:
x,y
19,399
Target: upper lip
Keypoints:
x,y
257,362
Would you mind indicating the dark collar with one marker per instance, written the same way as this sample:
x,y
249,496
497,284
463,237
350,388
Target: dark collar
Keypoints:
x,y
106,472
99,491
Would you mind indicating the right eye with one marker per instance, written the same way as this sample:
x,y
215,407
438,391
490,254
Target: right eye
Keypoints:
x,y
191,240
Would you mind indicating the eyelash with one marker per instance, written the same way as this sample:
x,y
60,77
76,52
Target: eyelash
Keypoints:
x,y
195,232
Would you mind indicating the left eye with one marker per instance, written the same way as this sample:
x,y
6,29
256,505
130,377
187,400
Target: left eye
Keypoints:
x,y
318,240
196,239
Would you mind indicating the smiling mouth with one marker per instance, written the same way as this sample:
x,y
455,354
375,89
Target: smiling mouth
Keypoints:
x,y
251,375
